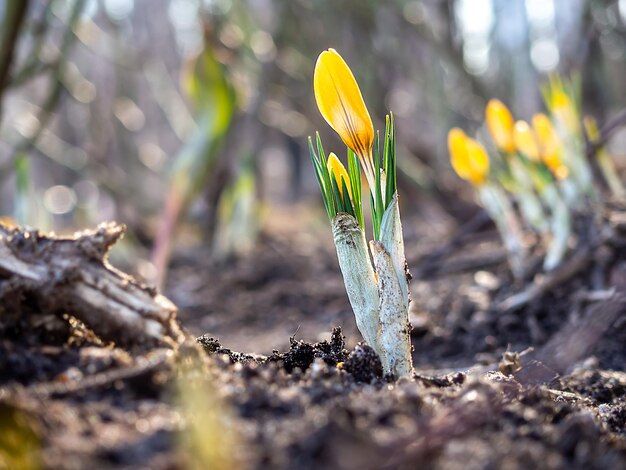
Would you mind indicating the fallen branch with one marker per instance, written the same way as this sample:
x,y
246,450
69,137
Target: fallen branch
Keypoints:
x,y
572,343
72,275
541,285
469,264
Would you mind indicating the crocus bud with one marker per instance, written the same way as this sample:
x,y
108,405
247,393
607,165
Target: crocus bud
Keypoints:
x,y
500,125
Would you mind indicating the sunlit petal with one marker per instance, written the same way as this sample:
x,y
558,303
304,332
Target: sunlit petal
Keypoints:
x,y
469,159
338,171
550,145
340,101
500,125
563,109
525,140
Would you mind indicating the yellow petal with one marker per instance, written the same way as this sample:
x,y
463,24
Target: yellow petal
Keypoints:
x,y
549,145
458,154
564,110
525,140
7,221
469,159
544,130
338,171
340,101
479,161
500,125
547,137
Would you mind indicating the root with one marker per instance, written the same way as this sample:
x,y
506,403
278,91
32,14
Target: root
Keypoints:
x,y
71,275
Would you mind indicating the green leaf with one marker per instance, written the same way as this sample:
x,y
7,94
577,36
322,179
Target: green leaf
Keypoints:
x,y
208,87
390,158
377,209
320,179
347,202
354,171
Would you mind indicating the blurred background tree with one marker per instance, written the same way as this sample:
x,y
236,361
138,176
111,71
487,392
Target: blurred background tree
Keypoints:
x,y
96,117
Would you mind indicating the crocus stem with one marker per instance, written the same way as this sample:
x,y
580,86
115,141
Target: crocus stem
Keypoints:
x,y
529,204
394,332
561,227
380,300
22,171
610,175
163,242
571,196
393,241
358,275
575,160
496,203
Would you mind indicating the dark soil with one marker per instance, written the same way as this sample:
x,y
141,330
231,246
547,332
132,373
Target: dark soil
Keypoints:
x,y
540,387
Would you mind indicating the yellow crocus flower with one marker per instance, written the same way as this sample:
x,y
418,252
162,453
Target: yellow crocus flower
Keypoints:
x,y
338,171
500,125
525,140
7,221
564,110
469,159
549,145
340,101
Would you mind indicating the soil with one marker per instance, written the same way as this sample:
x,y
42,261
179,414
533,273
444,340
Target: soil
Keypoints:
x,y
543,386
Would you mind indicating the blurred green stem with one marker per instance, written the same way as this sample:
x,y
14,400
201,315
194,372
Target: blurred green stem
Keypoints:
x,y
14,16
33,64
561,227
21,210
605,162
497,204
56,86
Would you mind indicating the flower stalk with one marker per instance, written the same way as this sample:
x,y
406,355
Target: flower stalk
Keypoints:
x,y
562,99
471,162
377,286
605,162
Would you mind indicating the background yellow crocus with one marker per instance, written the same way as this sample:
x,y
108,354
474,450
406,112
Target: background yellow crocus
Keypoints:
x,y
500,124
469,158
564,110
549,144
525,140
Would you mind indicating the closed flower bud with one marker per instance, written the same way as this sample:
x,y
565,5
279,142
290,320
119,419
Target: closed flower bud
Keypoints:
x,y
339,173
549,144
340,101
525,141
500,125
469,159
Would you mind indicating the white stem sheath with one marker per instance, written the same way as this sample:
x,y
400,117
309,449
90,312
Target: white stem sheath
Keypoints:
x,y
529,204
561,228
380,301
358,275
394,332
499,208
575,159
392,240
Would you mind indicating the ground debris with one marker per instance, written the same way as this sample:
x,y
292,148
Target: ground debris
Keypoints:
x,y
213,346
364,364
59,275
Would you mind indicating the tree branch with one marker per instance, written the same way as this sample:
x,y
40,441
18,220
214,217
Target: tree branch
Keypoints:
x,y
14,16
